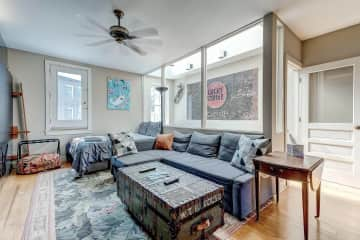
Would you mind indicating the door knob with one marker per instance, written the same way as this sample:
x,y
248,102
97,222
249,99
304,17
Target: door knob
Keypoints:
x,y
357,127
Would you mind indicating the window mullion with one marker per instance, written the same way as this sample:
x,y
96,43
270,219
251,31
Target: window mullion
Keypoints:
x,y
203,88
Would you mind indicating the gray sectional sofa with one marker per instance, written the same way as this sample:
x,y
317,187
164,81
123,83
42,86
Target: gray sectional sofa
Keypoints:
x,y
238,184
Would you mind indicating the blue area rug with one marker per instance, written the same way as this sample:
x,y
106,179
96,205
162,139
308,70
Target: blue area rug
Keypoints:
x,y
88,208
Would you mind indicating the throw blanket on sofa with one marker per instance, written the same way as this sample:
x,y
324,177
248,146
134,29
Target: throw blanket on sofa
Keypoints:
x,y
87,150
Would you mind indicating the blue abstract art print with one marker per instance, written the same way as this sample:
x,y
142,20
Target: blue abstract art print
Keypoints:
x,y
118,94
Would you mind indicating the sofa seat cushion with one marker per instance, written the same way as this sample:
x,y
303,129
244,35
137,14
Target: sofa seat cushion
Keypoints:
x,y
208,166
143,157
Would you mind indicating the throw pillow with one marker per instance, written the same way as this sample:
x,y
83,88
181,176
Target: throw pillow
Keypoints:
x,y
181,141
246,152
204,145
164,141
123,144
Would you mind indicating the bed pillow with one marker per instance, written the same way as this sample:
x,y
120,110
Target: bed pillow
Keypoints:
x,y
181,141
246,152
123,144
204,145
164,141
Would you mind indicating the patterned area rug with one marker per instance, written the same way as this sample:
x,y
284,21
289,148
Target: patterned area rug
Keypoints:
x,y
63,208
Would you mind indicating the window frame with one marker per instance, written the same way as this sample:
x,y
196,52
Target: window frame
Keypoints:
x,y
154,86
251,126
65,127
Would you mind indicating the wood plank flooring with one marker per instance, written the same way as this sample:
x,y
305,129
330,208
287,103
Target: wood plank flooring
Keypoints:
x,y
340,213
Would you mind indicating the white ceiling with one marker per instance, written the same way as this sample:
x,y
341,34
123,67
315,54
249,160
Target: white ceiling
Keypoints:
x,y
50,26
311,18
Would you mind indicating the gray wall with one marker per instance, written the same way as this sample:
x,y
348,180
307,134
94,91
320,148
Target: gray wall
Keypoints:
x,y
29,68
333,46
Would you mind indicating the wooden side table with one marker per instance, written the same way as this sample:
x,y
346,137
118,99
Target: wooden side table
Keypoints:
x,y
307,170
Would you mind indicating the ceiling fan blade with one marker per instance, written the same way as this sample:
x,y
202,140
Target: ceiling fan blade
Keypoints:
x,y
98,43
90,35
134,48
98,25
148,41
146,32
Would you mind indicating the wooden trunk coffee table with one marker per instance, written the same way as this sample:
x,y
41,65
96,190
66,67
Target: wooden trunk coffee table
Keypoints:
x,y
307,170
170,203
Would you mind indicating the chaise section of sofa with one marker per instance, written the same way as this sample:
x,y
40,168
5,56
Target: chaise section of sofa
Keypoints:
x,y
238,185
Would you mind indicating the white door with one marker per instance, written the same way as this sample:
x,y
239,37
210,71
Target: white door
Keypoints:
x,y
331,114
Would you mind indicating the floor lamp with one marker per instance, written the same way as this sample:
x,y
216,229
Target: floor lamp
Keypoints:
x,y
162,90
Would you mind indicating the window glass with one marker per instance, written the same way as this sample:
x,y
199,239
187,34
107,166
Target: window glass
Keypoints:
x,y
68,96
155,114
234,82
184,95
331,96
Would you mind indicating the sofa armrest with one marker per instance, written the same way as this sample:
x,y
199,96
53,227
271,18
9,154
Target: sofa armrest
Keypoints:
x,y
244,194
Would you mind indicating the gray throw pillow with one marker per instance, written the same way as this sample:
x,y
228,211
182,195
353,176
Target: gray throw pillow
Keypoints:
x,y
246,152
204,145
181,141
123,144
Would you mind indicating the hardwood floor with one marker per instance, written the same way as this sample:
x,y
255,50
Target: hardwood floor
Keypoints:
x,y
339,216
339,219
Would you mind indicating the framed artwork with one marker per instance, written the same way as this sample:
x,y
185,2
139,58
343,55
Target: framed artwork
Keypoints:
x,y
118,94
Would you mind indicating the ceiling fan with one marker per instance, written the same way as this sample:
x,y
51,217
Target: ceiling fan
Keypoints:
x,y
123,36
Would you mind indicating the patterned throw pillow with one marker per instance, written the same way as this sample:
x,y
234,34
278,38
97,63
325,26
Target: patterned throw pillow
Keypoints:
x,y
123,144
164,141
246,152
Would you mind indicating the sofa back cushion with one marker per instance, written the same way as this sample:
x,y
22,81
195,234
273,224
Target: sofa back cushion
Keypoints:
x,y
228,145
204,145
143,127
153,129
181,141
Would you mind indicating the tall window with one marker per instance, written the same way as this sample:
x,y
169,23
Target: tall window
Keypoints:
x,y
234,82
228,95
155,114
66,97
184,80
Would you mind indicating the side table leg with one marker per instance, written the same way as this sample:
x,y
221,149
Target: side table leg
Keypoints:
x,y
305,201
318,191
257,194
277,189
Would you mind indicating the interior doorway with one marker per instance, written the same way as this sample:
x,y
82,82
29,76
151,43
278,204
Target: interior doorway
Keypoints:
x,y
330,118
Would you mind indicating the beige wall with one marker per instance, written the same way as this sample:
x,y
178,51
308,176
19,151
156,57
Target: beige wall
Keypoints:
x,y
29,68
332,46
